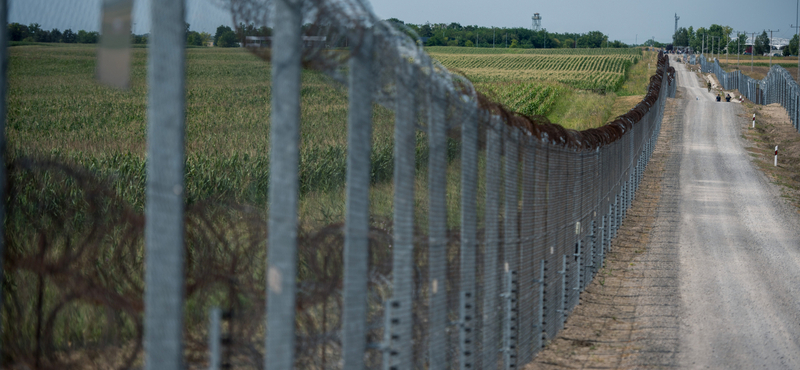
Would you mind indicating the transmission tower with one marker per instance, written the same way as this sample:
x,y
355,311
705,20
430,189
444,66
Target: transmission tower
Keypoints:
x,y
537,22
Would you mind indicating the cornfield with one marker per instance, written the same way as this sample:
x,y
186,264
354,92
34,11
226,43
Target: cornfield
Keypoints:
x,y
599,72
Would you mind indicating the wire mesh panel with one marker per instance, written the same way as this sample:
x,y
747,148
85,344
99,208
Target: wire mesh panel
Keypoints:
x,y
451,233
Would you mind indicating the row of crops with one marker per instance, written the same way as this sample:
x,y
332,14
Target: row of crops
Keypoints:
x,y
599,72
502,50
528,98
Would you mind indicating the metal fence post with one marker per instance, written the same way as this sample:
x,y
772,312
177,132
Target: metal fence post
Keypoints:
x,y
283,186
437,229
469,225
163,328
3,159
527,307
400,355
491,296
214,341
356,234
511,243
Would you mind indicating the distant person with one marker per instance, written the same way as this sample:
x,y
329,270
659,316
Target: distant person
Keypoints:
x,y
727,97
719,98
709,86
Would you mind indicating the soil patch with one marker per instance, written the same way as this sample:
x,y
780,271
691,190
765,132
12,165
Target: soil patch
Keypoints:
x,y
773,127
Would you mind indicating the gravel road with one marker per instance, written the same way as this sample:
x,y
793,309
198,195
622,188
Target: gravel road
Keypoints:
x,y
739,247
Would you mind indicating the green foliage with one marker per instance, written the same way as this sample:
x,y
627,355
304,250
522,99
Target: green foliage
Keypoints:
x,y
227,40
441,34
681,37
762,44
791,49
87,37
528,98
225,37
601,70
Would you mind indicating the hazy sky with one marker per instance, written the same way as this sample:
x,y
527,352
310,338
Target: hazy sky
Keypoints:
x,y
626,20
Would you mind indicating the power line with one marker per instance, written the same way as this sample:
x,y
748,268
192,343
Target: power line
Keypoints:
x,y
770,46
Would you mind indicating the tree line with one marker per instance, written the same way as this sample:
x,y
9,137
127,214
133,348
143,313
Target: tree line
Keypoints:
x,y
224,37
35,33
454,34
717,38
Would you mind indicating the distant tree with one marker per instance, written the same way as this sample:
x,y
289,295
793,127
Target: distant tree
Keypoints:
x,y
569,43
194,39
87,37
395,21
592,39
681,37
426,30
17,32
69,37
140,39
791,49
469,44
227,39
455,26
435,40
205,38
762,43
220,31
514,44
55,35
33,28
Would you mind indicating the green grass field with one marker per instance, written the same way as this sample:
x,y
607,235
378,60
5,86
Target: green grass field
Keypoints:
x,y
56,110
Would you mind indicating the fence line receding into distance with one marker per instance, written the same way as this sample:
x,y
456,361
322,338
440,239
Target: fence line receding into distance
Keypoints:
x,y
777,87
495,224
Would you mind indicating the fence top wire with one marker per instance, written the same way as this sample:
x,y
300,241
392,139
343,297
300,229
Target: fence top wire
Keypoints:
x,y
335,21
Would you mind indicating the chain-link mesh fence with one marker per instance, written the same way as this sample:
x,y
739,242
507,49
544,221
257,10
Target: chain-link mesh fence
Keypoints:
x,y
470,255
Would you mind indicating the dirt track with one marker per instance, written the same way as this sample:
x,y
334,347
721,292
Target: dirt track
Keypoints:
x,y
706,270
739,248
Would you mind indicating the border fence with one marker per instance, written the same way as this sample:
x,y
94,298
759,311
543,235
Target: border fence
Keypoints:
x,y
497,222
777,87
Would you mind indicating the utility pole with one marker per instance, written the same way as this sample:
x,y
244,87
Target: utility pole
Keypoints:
x,y
797,22
493,34
675,35
703,46
752,51
770,46
798,49
738,47
727,49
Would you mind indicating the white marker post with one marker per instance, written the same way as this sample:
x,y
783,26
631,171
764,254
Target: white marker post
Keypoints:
x,y
776,156
754,120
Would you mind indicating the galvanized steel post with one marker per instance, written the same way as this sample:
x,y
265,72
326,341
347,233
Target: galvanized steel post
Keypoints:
x,y
437,229
283,185
491,248
356,232
3,160
400,356
164,228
